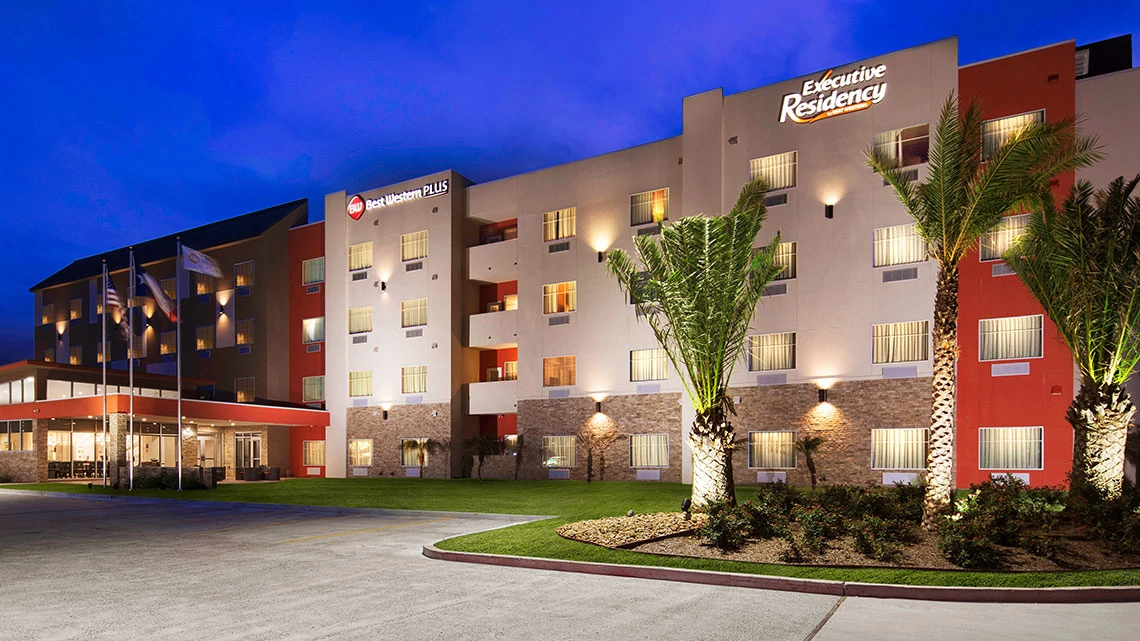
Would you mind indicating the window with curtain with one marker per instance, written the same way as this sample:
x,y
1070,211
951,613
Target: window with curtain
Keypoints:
x,y
1008,338
359,320
510,302
559,371
245,331
204,337
360,452
244,389
559,224
313,330
413,379
1011,448
898,449
243,274
360,256
779,170
768,352
772,450
411,449
313,453
649,450
75,355
560,297
900,342
559,451
169,287
414,245
648,365
168,343
907,146
360,383
314,389
649,207
47,313
75,308
313,271
413,313
786,257
511,371
898,245
998,131
203,284
994,244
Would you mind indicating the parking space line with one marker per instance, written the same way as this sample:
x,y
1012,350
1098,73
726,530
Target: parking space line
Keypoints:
x,y
371,529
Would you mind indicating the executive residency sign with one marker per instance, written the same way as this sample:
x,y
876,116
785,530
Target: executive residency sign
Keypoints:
x,y
833,95
357,205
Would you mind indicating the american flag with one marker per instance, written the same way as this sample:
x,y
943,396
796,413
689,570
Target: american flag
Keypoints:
x,y
113,300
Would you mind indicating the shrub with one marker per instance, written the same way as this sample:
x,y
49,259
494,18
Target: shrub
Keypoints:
x,y
727,526
818,525
908,501
778,498
876,538
841,499
1116,521
966,543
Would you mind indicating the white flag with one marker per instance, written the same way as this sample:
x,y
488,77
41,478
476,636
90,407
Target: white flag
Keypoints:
x,y
195,261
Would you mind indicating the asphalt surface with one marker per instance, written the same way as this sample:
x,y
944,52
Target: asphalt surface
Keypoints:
x,y
91,570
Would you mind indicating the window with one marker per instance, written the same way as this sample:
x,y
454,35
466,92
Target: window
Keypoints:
x,y
559,371
779,170
203,283
313,271
245,331
138,346
649,450
313,330
204,337
648,365
900,342
786,258
313,453
413,380
560,297
1008,338
413,452
16,436
906,147
360,256
994,244
314,389
649,207
413,313
49,355
768,352
360,383
75,355
1010,448
898,449
75,309
558,451
169,287
898,245
359,320
244,389
559,224
511,371
510,302
997,132
243,274
414,245
772,450
99,352
360,452
168,343
47,313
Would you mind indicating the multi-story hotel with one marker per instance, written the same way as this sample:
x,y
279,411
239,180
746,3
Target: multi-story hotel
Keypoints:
x,y
436,310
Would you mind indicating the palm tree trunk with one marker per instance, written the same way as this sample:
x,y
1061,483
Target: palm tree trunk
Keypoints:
x,y
940,457
1100,416
711,440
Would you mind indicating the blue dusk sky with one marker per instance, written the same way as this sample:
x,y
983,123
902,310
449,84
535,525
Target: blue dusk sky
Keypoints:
x,y
126,120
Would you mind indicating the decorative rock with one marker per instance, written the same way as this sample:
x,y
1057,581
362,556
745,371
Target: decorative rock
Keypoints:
x,y
624,531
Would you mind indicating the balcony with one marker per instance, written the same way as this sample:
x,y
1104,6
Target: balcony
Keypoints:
x,y
494,262
499,397
493,330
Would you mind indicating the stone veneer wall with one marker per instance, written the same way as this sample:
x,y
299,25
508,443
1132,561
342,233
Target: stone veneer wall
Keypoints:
x,y
404,421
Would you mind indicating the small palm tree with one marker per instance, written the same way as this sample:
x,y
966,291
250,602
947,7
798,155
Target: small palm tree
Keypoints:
x,y
484,445
963,197
698,286
808,446
1082,263
420,448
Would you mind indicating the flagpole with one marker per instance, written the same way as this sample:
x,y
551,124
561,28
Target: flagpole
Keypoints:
x,y
103,351
131,368
178,347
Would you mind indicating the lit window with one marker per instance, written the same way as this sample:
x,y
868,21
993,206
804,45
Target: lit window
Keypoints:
x,y
244,389
169,287
75,308
560,297
1008,338
648,365
314,389
313,453
203,284
905,147
245,331
99,352
414,245
768,352
313,330
510,302
900,342
75,355
360,452
413,313
413,452
779,170
559,224
49,355
786,257
359,320
994,244
47,313
360,256
995,133
511,371
360,383
313,271
772,450
413,379
559,371
243,274
138,346
204,337
1010,448
168,343
898,245
649,450
649,207
898,449
559,451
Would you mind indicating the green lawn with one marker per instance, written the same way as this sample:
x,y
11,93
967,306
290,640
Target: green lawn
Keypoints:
x,y
573,501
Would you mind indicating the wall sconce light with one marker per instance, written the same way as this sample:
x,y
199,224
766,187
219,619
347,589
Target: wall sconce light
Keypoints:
x,y
822,395
383,285
598,407
385,414
601,257
829,211
221,310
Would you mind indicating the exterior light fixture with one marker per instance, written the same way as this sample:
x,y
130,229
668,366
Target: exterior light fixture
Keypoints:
x,y
598,407
383,285
601,257
221,310
829,211
385,415
823,395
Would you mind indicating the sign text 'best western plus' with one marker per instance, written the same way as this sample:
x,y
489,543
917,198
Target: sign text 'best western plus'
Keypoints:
x,y
832,95
357,205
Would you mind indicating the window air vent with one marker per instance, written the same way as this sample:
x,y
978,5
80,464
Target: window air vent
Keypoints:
x,y
313,289
1009,369
649,231
772,200
558,320
356,340
558,393
413,333
1001,269
559,475
653,388
359,275
203,353
204,298
771,379
245,349
168,358
895,275
243,291
558,247
314,347
413,400
411,267
910,175
776,289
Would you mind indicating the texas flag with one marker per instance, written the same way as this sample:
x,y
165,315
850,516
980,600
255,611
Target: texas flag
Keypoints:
x,y
148,286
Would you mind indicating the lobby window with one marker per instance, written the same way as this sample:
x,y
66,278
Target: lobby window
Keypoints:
x,y
559,371
244,389
767,352
360,383
168,343
359,320
898,245
559,224
1009,338
15,436
313,330
75,309
313,271
313,453
907,147
559,451
413,379
649,207
772,450
245,331
413,313
786,257
360,256
649,450
510,370
778,170
203,284
900,342
998,131
47,313
898,449
169,287
243,274
1011,448
360,452
648,365
204,337
314,389
560,297
413,452
75,355
995,243
414,245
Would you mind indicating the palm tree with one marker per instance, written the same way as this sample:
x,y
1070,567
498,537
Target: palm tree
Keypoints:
x,y
420,448
808,446
1082,263
963,197
698,287
484,445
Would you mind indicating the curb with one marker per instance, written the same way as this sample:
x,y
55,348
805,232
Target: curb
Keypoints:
x,y
961,594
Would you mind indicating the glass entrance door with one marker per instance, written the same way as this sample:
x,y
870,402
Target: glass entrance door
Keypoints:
x,y
247,449
208,454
